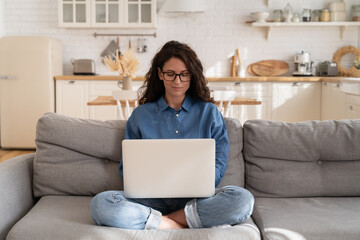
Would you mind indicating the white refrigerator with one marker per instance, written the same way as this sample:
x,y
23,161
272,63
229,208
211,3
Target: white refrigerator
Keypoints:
x,y
28,65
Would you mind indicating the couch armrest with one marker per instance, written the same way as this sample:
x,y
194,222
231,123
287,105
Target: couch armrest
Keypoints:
x,y
16,192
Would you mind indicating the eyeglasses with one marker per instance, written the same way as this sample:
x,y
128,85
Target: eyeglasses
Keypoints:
x,y
171,76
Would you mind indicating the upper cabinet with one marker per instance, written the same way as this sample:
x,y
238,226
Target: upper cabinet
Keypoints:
x,y
107,13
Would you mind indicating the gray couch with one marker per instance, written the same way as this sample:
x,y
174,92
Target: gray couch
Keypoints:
x,y
305,178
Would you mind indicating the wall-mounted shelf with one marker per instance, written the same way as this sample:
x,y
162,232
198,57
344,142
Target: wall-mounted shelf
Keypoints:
x,y
267,2
269,25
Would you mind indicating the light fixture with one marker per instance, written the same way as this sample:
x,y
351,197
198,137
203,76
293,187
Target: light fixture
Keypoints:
x,y
182,6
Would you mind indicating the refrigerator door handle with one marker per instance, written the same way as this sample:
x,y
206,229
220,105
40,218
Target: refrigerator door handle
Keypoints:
x,y
6,77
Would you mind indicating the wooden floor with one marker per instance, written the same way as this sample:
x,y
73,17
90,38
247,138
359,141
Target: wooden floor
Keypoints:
x,y
7,154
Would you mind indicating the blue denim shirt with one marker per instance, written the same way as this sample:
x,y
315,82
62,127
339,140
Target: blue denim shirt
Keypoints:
x,y
194,119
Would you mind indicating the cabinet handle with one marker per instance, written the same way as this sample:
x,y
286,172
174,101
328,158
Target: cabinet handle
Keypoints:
x,y
325,83
71,82
119,84
238,84
351,107
338,85
296,84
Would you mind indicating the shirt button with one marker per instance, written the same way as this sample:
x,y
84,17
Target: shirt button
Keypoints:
x,y
177,131
177,115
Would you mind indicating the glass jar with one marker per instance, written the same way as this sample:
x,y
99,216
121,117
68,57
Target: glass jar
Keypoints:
x,y
315,15
355,13
325,15
278,15
306,15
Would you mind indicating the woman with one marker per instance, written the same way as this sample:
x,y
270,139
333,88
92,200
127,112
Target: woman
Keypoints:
x,y
176,103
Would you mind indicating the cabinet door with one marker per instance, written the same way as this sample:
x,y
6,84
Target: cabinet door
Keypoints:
x,y
72,98
140,13
103,88
74,13
297,101
107,13
332,102
352,106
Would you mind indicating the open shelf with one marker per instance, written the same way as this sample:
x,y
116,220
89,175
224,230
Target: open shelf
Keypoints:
x,y
269,25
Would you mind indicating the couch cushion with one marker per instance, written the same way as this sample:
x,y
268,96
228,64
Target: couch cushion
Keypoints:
x,y
234,174
77,156
310,218
304,159
68,217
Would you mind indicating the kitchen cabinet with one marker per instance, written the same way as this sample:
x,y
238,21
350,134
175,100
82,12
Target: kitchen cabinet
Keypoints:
x,y
296,101
260,91
332,102
103,88
107,13
72,97
352,106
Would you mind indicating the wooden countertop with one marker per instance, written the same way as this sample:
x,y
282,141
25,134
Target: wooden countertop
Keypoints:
x,y
109,100
216,79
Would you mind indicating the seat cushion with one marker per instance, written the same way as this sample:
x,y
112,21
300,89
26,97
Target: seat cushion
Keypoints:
x,y
68,217
304,159
310,218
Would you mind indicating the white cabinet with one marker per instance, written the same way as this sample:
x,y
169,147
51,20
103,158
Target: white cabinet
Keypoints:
x,y
332,102
72,97
107,13
103,88
260,91
352,106
296,101
74,13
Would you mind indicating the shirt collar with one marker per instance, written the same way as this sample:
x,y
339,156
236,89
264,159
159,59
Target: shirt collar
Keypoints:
x,y
186,104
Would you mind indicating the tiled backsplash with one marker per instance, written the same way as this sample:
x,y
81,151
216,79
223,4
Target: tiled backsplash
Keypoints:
x,y
214,34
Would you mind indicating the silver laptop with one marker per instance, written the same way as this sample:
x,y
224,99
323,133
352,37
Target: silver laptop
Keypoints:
x,y
169,168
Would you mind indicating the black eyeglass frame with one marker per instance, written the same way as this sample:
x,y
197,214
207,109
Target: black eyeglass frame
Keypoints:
x,y
175,75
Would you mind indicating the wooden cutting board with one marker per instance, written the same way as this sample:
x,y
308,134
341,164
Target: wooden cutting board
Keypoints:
x,y
268,68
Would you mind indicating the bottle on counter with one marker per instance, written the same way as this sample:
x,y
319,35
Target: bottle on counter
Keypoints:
x,y
306,15
325,15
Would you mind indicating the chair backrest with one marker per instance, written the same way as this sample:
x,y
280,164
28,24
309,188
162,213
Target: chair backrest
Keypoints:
x,y
124,94
223,95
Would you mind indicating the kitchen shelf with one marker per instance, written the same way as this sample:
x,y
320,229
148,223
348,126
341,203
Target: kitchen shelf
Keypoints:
x,y
267,2
269,25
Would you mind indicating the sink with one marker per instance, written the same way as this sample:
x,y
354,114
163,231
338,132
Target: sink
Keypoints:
x,y
350,85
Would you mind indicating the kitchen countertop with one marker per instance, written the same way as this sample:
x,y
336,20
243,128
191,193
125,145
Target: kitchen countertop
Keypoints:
x,y
219,79
109,100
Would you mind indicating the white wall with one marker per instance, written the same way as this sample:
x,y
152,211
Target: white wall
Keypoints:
x,y
214,34
2,18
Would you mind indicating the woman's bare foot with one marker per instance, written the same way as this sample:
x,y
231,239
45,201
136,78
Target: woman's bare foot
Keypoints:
x,y
168,223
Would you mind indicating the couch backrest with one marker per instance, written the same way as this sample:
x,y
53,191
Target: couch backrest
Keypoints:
x,y
304,159
81,157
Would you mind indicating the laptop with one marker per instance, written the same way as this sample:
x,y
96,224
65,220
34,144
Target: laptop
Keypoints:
x,y
169,168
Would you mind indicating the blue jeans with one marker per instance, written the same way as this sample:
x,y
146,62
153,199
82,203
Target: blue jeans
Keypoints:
x,y
229,205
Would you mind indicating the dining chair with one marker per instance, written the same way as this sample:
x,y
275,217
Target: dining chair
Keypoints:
x,y
224,96
124,112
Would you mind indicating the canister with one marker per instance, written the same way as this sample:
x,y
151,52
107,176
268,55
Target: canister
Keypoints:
x,y
325,15
277,15
306,15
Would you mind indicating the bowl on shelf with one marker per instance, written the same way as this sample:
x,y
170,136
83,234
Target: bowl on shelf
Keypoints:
x,y
260,16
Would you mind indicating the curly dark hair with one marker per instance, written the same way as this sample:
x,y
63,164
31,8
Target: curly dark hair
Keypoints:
x,y
153,88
